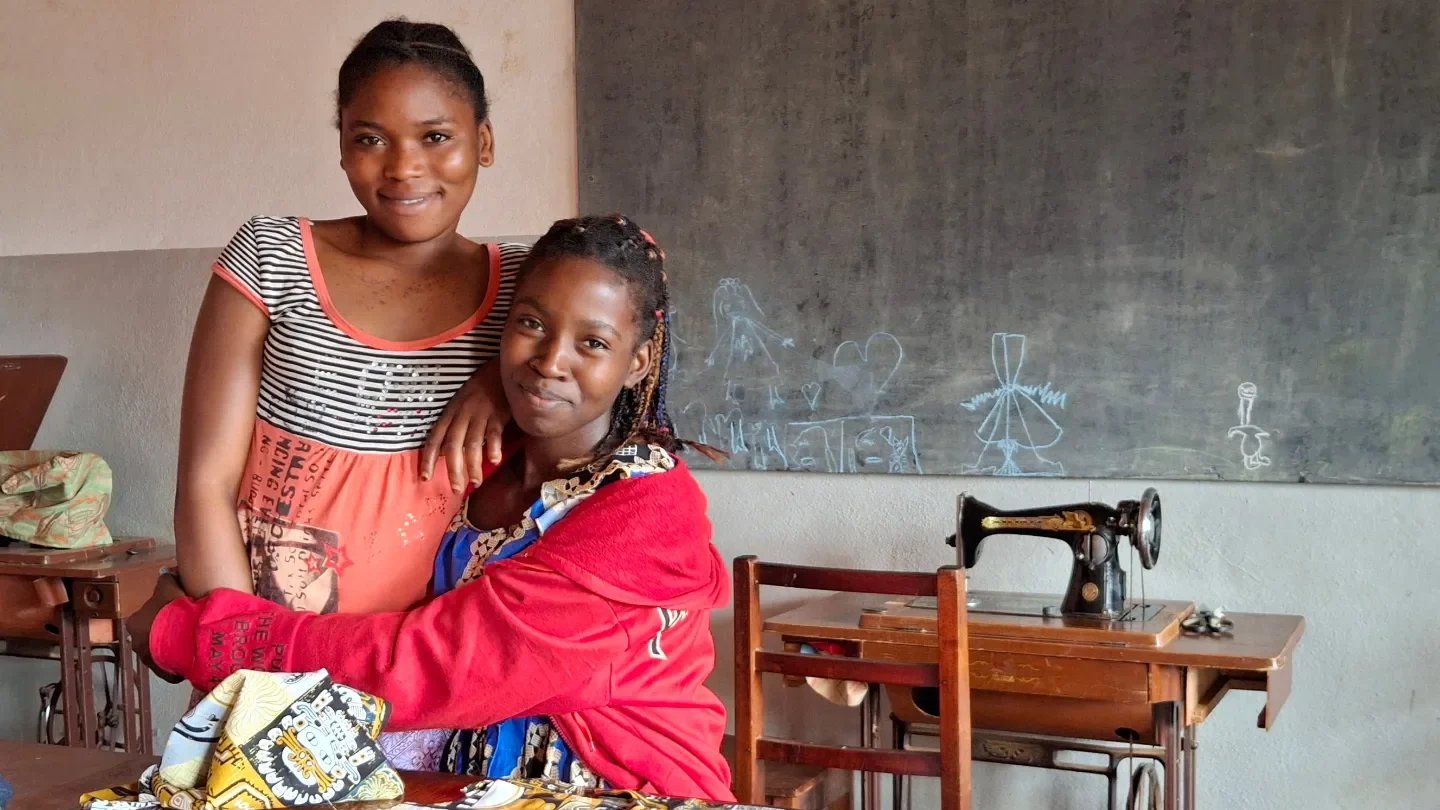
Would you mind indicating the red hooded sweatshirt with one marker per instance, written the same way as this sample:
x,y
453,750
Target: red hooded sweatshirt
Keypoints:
x,y
602,624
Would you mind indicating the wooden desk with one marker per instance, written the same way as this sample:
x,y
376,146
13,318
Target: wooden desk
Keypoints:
x,y
50,777
1151,698
72,610
53,777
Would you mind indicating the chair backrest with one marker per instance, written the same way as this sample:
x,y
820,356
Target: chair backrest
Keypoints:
x,y
951,674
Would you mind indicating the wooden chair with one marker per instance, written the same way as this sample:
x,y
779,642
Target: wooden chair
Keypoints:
x,y
798,787
951,675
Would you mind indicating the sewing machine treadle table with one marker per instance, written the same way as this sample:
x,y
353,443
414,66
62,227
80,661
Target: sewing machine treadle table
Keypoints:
x,y
72,604
1039,683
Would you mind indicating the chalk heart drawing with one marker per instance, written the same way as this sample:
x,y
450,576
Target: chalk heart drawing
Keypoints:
x,y
864,371
811,392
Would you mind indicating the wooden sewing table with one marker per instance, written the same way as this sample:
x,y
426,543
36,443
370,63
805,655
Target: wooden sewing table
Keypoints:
x,y
49,777
72,604
1041,686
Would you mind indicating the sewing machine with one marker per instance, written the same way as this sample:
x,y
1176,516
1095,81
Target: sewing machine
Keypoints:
x,y
1093,531
1096,607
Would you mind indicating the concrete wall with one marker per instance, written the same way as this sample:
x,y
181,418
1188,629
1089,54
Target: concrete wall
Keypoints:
x,y
165,125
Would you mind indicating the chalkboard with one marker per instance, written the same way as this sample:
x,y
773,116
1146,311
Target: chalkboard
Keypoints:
x,y
1160,239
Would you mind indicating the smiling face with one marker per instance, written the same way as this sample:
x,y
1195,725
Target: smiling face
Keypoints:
x,y
411,148
570,345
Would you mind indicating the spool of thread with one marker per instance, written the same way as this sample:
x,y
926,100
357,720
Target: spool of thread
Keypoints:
x,y
6,792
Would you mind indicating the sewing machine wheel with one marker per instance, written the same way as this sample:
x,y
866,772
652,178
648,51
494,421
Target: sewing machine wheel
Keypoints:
x,y
1147,529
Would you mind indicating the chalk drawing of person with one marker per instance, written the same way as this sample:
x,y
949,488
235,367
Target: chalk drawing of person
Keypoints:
x,y
1252,437
745,347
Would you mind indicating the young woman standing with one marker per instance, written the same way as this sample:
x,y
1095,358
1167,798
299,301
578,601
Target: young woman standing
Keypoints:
x,y
325,352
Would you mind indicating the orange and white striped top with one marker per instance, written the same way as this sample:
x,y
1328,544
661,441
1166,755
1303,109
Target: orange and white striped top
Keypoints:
x,y
332,506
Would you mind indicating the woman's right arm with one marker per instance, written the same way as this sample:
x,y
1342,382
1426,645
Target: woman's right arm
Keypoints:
x,y
217,418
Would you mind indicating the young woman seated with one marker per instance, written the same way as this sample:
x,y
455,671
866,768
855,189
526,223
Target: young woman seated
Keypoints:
x,y
568,637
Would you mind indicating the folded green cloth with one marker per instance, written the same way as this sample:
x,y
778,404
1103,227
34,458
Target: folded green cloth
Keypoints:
x,y
54,499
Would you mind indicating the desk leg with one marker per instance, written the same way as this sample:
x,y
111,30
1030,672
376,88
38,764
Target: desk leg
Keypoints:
x,y
77,678
869,732
146,743
125,687
69,676
1190,767
138,731
1170,735
897,782
84,706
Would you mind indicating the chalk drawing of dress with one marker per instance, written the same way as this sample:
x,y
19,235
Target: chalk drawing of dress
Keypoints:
x,y
745,347
1018,419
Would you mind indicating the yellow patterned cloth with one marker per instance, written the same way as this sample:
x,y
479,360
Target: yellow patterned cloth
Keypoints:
x,y
55,499
261,740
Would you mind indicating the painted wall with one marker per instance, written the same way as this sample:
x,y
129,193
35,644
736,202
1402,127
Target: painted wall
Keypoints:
x,y
163,124
118,192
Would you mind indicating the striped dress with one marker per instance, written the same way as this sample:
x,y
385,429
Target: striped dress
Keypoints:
x,y
331,506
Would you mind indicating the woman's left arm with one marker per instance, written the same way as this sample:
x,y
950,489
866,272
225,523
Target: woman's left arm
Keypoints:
x,y
491,650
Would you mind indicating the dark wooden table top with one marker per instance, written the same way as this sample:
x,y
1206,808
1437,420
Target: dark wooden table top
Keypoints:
x,y
1260,642
52,777
101,567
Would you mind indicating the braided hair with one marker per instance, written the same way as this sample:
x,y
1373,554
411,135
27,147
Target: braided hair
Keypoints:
x,y
398,41
639,413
